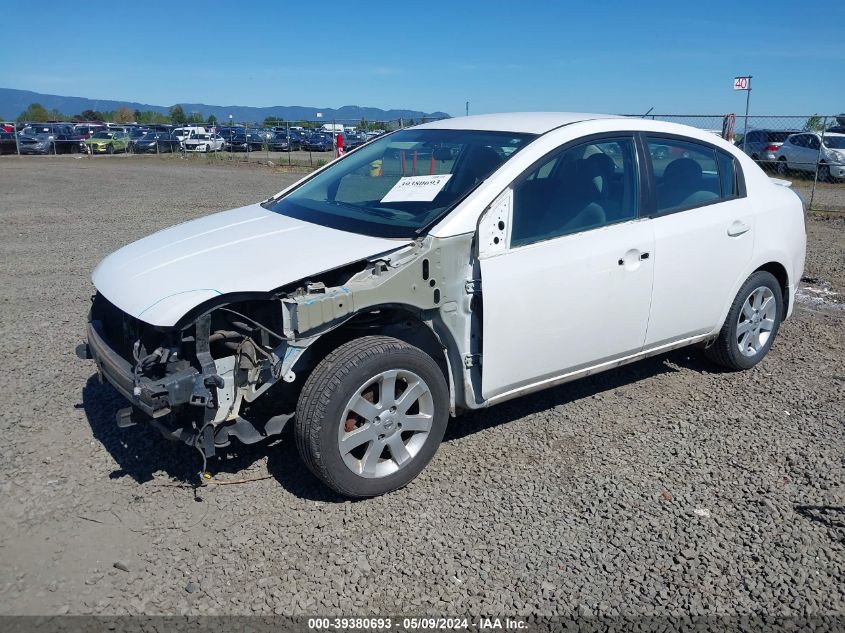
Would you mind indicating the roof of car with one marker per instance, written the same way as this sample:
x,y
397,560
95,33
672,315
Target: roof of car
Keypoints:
x,y
530,122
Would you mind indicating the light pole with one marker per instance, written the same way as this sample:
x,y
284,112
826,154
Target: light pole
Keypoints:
x,y
467,108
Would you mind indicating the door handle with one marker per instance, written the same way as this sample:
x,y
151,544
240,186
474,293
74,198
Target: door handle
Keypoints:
x,y
642,256
738,228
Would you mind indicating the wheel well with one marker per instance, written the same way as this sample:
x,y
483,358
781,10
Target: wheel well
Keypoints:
x,y
389,321
779,273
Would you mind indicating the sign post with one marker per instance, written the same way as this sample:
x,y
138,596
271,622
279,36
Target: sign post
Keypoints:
x,y
744,83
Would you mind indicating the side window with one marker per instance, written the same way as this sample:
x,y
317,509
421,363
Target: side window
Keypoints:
x,y
728,176
798,141
576,189
812,142
686,174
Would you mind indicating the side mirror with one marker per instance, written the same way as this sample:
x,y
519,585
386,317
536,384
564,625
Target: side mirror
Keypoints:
x,y
442,153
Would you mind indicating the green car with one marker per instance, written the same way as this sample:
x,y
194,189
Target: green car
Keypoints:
x,y
108,142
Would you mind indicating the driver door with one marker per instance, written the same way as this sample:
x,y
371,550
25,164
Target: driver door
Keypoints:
x,y
566,281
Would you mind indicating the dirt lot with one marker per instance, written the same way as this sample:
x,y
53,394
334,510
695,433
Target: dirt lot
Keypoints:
x,y
661,487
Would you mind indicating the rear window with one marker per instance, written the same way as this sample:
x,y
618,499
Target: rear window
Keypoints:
x,y
687,174
778,137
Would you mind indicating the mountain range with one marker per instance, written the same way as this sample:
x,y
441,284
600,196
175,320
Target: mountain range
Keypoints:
x,y
13,102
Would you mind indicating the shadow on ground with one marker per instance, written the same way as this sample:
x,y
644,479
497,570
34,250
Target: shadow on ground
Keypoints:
x,y
141,452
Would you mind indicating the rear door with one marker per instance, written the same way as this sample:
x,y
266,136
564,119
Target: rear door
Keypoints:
x,y
703,238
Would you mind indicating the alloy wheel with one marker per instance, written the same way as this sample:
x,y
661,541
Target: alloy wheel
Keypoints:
x,y
385,423
756,321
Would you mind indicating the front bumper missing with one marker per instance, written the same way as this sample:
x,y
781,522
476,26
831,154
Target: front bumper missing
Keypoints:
x,y
162,403
156,398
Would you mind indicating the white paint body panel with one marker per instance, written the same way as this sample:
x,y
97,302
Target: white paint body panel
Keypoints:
x,y
163,276
696,264
565,303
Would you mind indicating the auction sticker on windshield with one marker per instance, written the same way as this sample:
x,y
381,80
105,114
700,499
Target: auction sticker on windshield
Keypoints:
x,y
416,188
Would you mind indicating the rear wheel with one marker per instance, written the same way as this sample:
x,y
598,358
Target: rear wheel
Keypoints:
x,y
751,325
371,416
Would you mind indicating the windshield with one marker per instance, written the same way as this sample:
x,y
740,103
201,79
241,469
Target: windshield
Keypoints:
x,y
388,188
835,142
36,131
103,135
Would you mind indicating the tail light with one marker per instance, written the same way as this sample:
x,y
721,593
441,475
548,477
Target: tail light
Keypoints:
x,y
772,148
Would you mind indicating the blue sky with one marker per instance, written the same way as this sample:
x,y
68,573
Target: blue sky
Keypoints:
x,y
678,57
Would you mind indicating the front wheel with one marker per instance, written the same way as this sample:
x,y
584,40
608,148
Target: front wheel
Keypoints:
x,y
824,173
110,149
751,325
371,416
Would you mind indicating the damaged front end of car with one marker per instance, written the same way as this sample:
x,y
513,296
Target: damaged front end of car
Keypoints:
x,y
233,367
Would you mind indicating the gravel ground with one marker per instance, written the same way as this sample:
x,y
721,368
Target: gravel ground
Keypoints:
x,y
662,487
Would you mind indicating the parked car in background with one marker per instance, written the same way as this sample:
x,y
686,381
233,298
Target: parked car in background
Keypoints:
x,y
279,143
365,306
108,142
762,145
7,143
188,131
49,138
87,130
239,140
319,143
157,143
264,133
353,140
809,151
203,143
134,134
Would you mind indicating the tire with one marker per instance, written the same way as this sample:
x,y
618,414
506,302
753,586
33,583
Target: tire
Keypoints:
x,y
355,373
750,315
824,173
783,168
110,149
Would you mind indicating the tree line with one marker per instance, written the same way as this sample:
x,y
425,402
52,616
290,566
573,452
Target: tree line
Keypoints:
x,y
36,113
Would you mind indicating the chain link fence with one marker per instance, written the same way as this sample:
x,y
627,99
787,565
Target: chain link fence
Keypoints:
x,y
296,144
809,150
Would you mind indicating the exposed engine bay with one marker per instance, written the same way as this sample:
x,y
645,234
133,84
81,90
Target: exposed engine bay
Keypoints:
x,y
234,367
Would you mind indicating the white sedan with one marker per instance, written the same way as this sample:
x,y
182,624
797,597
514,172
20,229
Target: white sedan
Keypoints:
x,y
445,268
204,143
